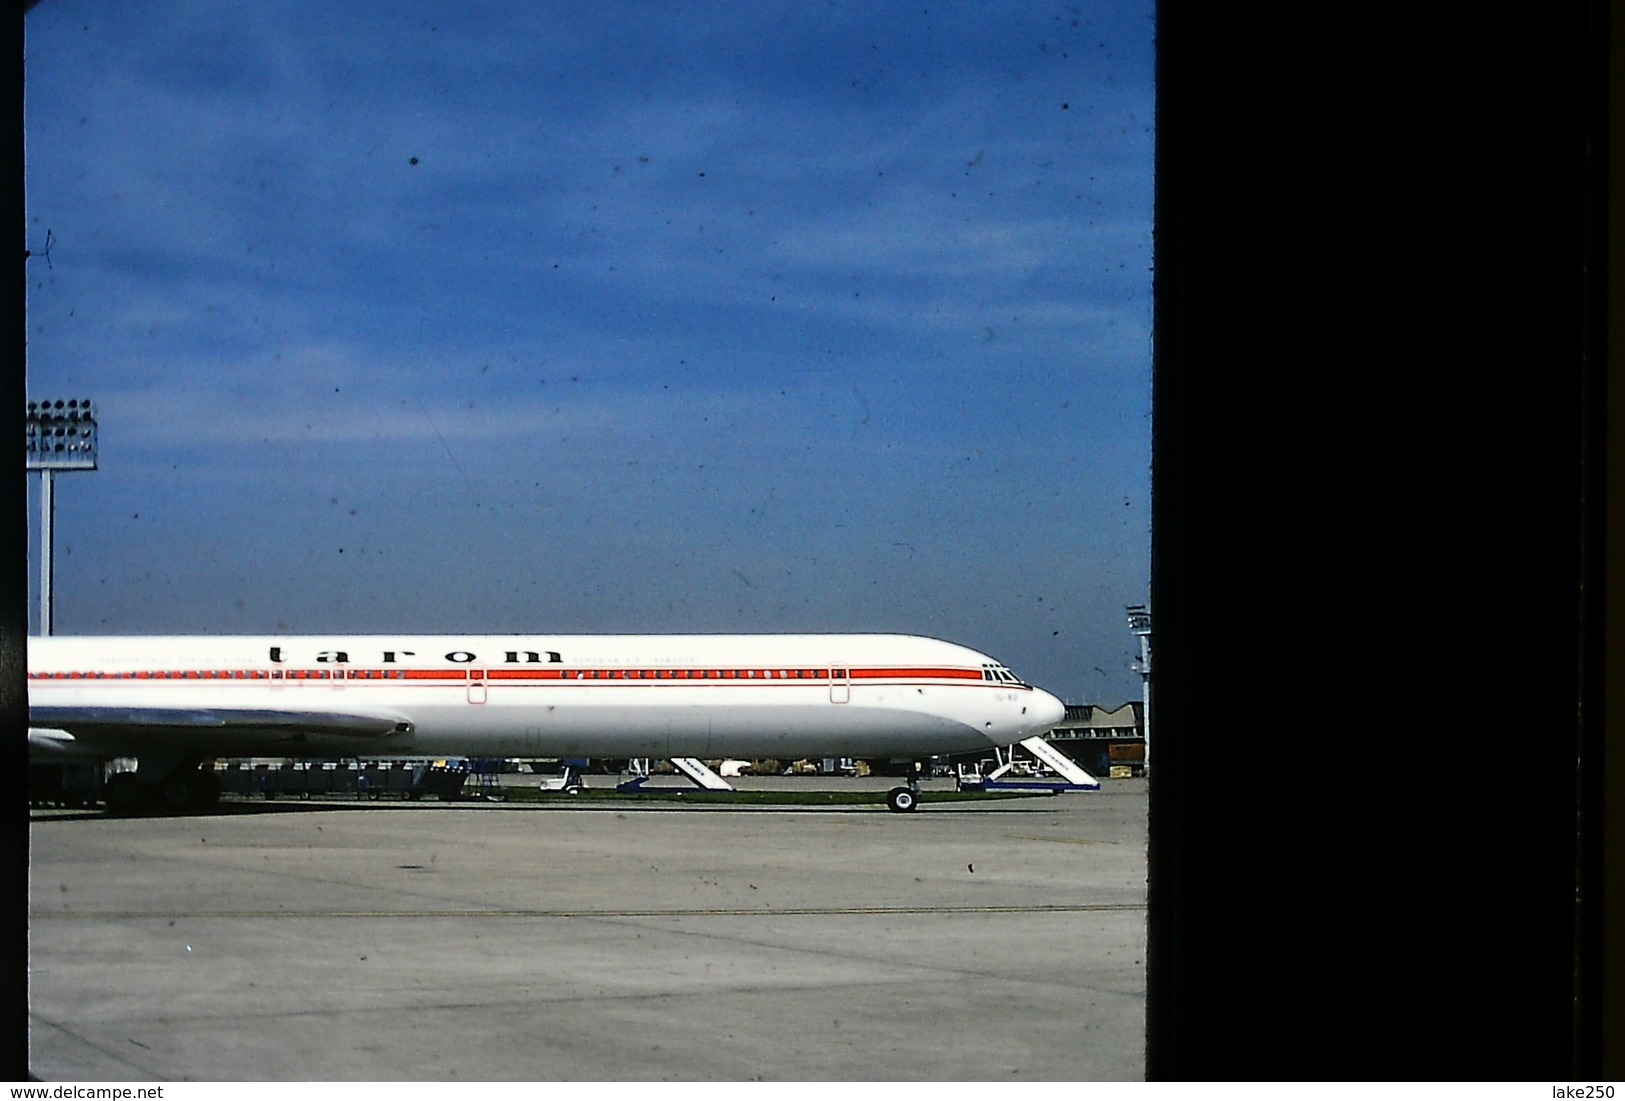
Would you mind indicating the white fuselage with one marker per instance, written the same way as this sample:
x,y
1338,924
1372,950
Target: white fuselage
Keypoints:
x,y
707,696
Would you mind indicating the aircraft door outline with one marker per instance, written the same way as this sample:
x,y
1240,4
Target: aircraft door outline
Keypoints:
x,y
840,684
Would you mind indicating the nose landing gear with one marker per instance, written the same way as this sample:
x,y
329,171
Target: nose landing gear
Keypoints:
x,y
902,800
905,799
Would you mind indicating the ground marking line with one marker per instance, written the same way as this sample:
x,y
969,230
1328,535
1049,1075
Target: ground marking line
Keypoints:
x,y
1057,840
788,911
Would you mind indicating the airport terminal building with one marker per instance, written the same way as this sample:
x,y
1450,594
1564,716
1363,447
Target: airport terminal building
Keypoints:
x,y
1106,742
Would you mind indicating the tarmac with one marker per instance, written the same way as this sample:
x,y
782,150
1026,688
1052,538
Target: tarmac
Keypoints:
x,y
593,940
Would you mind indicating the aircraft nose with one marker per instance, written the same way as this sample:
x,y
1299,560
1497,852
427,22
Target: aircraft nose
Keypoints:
x,y
1044,711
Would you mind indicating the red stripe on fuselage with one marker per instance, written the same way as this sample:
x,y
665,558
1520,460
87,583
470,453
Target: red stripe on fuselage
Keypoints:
x,y
917,674
620,675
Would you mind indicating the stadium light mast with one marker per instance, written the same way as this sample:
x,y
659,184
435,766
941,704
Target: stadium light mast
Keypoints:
x,y
61,436
1139,621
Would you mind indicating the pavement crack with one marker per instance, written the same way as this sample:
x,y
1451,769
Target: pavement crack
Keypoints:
x,y
115,1056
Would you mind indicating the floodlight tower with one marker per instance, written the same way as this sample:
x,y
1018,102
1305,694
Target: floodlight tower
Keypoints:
x,y
61,436
1139,621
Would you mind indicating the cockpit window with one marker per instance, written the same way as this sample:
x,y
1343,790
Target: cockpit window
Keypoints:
x,y
1000,674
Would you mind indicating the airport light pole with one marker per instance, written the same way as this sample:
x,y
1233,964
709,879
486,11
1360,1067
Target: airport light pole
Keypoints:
x,y
1139,621
61,436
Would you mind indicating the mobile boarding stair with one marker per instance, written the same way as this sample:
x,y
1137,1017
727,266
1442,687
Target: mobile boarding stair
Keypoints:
x,y
1007,778
692,767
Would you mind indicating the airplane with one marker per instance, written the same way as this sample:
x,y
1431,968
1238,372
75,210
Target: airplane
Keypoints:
x,y
177,702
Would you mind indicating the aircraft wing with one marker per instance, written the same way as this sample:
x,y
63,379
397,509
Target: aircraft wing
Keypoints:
x,y
121,730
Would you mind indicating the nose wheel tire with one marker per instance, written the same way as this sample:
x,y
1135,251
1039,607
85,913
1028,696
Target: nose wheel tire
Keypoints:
x,y
902,800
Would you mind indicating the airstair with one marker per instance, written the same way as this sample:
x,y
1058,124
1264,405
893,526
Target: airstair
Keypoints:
x,y
692,767
1006,777
696,770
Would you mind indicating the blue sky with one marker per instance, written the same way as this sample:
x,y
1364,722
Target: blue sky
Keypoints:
x,y
568,318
